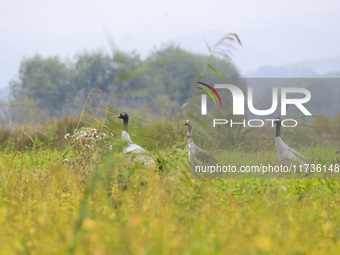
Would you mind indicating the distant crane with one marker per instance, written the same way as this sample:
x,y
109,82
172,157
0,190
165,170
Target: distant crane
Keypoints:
x,y
286,154
196,154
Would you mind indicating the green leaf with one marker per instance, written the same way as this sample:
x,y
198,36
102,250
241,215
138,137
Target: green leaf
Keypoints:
x,y
217,73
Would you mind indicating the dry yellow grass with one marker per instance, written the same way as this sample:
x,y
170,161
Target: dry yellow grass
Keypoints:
x,y
122,208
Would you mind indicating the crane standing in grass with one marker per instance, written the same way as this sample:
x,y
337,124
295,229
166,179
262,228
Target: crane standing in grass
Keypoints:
x,y
286,154
131,147
196,154
134,148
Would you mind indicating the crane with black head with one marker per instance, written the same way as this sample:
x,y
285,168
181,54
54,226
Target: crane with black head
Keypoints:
x,y
131,147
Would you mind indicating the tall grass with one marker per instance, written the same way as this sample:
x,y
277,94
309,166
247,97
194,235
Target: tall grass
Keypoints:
x,y
163,133
127,208
121,206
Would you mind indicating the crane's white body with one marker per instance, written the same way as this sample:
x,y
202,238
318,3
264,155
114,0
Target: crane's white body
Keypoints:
x,y
132,147
288,155
136,149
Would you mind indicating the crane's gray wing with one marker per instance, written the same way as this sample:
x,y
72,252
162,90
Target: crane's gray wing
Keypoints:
x,y
297,156
201,156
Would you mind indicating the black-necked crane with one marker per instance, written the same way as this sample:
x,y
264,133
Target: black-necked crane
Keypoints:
x,y
134,148
131,147
286,154
196,154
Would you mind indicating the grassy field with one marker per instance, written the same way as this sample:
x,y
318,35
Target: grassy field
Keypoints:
x,y
113,205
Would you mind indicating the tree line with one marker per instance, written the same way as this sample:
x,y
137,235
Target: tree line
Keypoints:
x,y
157,85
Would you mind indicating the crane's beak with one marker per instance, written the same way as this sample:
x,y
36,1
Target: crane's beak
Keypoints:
x,y
115,116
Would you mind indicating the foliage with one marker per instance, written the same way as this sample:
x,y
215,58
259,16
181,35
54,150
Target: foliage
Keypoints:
x,y
93,69
46,81
124,207
162,133
55,87
104,202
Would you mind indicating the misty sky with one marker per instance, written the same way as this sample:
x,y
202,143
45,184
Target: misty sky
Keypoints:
x,y
273,32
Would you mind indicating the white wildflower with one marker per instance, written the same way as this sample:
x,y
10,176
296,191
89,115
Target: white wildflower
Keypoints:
x,y
67,136
88,138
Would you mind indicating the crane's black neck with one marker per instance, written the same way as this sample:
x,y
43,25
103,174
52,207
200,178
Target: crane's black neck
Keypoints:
x,y
278,128
125,124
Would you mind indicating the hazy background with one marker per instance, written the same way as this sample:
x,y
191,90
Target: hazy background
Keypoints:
x,y
277,36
